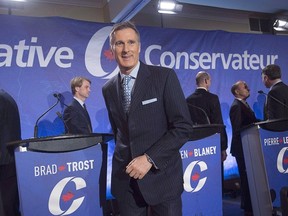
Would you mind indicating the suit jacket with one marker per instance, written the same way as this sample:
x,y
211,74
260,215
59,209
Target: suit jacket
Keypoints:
x,y
210,104
240,116
76,118
10,129
273,109
158,124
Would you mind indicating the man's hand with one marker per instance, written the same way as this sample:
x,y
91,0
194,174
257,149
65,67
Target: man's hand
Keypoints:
x,y
138,167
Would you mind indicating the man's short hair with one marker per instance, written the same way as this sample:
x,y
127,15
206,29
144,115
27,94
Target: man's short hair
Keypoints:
x,y
201,76
234,88
77,82
121,26
272,71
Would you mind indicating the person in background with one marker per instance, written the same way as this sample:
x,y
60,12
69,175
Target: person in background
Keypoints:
x,y
150,121
204,107
77,121
76,117
10,130
276,105
241,115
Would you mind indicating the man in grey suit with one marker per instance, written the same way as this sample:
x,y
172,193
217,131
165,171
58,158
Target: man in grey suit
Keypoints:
x,y
276,106
150,128
10,130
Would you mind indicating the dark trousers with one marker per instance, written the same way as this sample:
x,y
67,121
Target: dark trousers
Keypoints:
x,y
245,192
132,203
9,198
110,208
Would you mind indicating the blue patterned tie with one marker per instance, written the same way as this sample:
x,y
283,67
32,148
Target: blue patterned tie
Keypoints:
x,y
126,93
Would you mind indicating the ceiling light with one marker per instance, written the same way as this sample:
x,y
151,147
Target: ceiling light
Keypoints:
x,y
280,25
169,6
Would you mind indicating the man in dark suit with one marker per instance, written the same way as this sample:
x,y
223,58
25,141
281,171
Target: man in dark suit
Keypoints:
x,y
241,115
278,94
76,117
10,130
204,107
147,167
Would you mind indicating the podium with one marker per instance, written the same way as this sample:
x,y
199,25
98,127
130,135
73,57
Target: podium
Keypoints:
x,y
60,175
201,158
265,147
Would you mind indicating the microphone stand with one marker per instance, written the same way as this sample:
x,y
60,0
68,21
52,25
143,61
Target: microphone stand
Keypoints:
x,y
261,92
203,111
61,117
36,124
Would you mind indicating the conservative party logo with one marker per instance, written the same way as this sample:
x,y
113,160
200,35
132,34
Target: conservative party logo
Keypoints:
x,y
188,176
56,196
69,193
94,51
195,172
282,161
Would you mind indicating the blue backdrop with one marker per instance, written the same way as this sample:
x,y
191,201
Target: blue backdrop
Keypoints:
x,y
39,56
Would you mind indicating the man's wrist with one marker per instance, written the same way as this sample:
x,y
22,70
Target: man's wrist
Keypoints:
x,y
150,161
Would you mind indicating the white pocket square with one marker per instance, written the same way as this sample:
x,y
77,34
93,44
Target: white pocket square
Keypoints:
x,y
152,100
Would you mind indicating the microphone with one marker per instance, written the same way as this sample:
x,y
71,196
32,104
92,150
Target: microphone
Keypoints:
x,y
60,97
36,124
57,95
203,111
61,117
261,92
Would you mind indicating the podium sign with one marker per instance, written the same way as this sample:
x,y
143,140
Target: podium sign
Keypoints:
x,y
202,177
265,151
59,183
275,152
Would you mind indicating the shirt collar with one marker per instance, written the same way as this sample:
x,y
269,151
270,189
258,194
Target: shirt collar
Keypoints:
x,y
202,88
275,83
133,73
80,101
242,100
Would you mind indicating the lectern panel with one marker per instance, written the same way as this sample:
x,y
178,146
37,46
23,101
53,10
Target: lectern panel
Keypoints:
x,y
275,152
202,177
265,147
62,183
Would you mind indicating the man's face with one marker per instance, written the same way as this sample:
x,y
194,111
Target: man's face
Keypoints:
x,y
243,90
126,49
83,91
265,81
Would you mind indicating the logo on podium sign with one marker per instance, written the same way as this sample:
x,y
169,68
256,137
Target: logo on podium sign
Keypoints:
x,y
59,183
202,176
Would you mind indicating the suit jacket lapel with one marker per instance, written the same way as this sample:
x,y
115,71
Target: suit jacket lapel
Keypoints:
x,y
249,112
83,112
140,85
116,94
